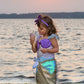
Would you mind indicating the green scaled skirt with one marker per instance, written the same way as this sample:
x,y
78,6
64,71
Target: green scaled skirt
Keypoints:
x,y
46,72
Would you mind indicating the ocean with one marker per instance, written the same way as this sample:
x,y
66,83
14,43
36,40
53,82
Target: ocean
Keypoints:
x,y
16,56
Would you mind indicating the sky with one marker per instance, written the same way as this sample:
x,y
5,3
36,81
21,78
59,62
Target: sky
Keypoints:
x,y
34,6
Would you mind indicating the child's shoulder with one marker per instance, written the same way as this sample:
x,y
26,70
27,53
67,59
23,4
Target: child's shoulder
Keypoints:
x,y
39,36
53,36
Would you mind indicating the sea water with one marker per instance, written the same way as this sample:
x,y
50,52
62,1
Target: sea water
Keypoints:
x,y
16,56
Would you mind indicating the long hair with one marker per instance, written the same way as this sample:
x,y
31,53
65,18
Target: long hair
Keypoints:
x,y
51,28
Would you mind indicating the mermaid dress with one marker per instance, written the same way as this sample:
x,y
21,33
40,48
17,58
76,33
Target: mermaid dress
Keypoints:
x,y
45,63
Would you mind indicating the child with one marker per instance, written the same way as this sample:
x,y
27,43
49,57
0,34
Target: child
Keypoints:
x,y
45,46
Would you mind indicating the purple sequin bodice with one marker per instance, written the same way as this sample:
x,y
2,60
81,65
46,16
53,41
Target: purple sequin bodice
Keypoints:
x,y
44,43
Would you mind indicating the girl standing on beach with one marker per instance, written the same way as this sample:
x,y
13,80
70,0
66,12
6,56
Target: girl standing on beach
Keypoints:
x,y
45,46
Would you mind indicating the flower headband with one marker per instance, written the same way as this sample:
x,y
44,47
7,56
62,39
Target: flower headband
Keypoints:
x,y
39,18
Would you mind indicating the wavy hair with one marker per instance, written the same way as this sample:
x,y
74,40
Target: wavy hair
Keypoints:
x,y
51,28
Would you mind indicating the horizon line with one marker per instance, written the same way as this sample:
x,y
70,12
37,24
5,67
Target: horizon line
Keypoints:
x,y
44,12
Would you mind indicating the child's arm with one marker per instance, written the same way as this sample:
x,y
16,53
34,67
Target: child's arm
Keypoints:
x,y
34,47
55,48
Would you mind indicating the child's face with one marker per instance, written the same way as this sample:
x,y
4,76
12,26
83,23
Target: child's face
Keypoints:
x,y
42,30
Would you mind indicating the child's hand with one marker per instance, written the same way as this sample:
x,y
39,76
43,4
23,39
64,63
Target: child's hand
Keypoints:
x,y
32,41
32,38
43,50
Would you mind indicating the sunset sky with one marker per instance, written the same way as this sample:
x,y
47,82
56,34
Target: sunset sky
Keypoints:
x,y
31,6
